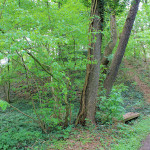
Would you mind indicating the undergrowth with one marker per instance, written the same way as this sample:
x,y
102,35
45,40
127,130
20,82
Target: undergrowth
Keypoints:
x,y
20,132
133,141
134,100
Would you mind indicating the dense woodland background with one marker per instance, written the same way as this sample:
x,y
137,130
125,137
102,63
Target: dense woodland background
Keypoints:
x,y
59,62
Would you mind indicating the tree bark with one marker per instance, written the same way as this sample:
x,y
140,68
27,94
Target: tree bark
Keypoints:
x,y
89,93
8,82
110,46
111,76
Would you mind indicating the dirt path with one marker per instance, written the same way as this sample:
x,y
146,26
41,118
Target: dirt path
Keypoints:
x,y
145,90
146,143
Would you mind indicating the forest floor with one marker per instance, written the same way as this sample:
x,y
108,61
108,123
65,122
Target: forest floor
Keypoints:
x,y
19,132
144,88
103,140
134,75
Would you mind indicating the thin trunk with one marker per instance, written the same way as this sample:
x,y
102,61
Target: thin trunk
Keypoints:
x,y
41,123
26,70
111,76
74,44
4,90
8,83
134,48
59,4
89,93
66,123
59,52
49,18
144,51
142,46
23,66
134,52
19,3
109,48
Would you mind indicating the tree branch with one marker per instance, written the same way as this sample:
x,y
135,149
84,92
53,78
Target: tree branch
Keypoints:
x,y
38,61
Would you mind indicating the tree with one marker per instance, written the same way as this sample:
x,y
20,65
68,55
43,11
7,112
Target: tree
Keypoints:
x,y
89,93
139,38
112,43
109,48
114,67
34,32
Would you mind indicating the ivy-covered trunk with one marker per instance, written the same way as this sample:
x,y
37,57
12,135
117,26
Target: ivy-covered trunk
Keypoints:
x,y
89,93
114,67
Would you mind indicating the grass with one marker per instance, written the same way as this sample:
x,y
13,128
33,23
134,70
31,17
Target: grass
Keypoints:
x,y
133,141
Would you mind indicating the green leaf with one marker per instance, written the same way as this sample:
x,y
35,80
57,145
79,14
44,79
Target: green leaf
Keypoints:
x,y
3,104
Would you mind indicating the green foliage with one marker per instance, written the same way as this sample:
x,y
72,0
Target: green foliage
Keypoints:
x,y
111,107
18,131
3,104
134,100
40,38
138,45
53,33
132,139
117,6
15,138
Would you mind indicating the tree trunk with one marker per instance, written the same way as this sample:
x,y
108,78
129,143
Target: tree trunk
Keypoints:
x,y
8,83
110,46
111,76
89,93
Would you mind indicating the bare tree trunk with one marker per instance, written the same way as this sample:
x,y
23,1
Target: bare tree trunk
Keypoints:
x,y
109,48
26,70
8,83
144,51
111,76
49,18
89,93
19,3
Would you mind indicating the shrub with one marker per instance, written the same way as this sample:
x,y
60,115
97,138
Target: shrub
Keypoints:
x,y
112,106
